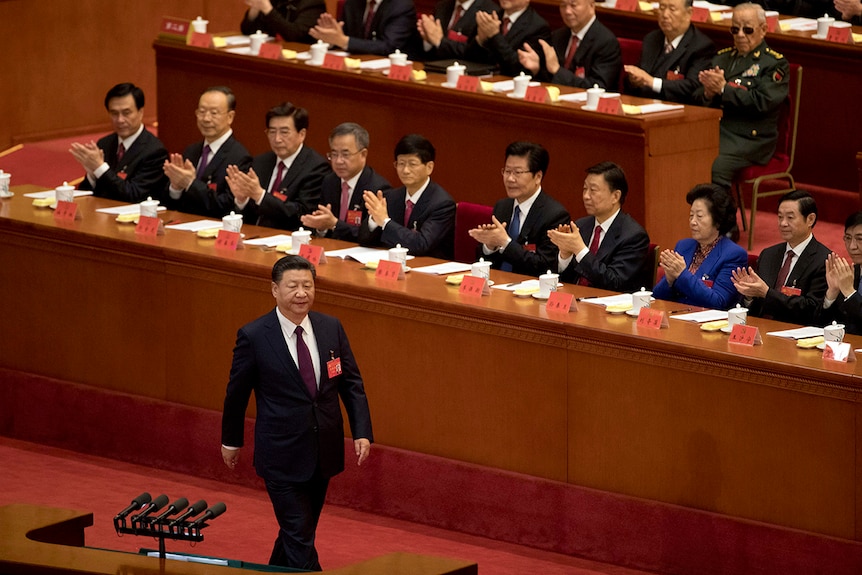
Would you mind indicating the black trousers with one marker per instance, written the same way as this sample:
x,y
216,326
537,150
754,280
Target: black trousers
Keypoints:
x,y
297,508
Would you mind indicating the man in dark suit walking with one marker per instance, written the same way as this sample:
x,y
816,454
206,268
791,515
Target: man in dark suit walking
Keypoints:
x,y
672,56
517,240
606,249
790,280
197,177
583,54
298,363
284,183
127,164
420,215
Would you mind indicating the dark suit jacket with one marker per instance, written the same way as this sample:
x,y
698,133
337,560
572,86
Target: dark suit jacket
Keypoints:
x,y
503,50
598,54
139,175
210,195
466,26
689,288
290,19
293,433
622,262
298,194
393,26
330,193
809,275
430,231
846,311
546,213
694,53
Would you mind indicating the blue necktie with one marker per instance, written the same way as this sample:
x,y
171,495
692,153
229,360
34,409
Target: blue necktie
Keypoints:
x,y
514,230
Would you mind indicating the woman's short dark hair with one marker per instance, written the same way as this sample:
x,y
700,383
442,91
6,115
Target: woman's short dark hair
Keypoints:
x,y
721,205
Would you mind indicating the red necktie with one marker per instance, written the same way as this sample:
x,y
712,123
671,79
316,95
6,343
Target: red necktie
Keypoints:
x,y
345,200
306,366
121,151
785,270
570,52
594,249
369,17
278,176
205,159
459,10
506,23
407,212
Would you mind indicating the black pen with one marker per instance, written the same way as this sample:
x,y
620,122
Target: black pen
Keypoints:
x,y
678,311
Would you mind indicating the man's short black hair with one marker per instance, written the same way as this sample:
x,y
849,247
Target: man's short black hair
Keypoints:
x,y
720,204
288,110
614,176
537,156
123,90
807,205
416,144
290,262
231,98
853,220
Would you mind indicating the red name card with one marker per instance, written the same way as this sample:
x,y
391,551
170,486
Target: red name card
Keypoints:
x,y
228,241
561,302
467,83
537,94
271,51
401,73
314,254
389,270
474,285
609,106
699,14
839,351
745,335
333,62
149,226
199,40
66,212
652,318
838,35
627,5
175,29
772,25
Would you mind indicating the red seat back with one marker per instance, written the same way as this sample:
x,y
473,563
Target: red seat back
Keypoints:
x,y
467,217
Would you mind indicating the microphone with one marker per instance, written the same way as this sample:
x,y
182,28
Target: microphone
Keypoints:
x,y
137,503
211,513
190,512
174,507
152,507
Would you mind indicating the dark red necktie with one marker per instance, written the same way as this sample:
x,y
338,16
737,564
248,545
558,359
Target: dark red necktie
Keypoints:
x,y
205,159
459,10
345,200
505,28
594,249
570,53
306,367
408,211
121,151
369,18
785,270
278,176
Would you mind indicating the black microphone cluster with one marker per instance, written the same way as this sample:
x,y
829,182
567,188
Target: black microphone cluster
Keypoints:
x,y
155,518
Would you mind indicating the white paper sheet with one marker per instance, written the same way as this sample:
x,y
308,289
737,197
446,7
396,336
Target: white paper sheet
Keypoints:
x,y
619,299
526,284
798,333
444,268
50,194
195,226
126,209
271,241
381,64
702,316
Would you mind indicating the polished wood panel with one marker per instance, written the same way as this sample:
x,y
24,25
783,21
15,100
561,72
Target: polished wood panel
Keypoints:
x,y
663,154
769,433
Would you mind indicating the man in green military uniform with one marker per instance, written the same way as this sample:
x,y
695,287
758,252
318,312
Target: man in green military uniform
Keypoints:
x,y
750,83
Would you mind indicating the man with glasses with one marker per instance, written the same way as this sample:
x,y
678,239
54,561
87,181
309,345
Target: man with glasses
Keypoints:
x,y
582,54
283,183
420,215
749,82
843,301
517,239
197,177
342,207
672,56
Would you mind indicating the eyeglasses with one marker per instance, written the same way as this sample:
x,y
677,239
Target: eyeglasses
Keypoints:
x,y
507,173
412,165
203,113
273,132
747,30
334,156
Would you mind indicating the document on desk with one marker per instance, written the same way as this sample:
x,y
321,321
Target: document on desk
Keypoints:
x,y
445,268
702,316
509,85
526,285
270,241
128,209
50,194
798,333
799,24
361,255
380,64
619,299
650,108
195,226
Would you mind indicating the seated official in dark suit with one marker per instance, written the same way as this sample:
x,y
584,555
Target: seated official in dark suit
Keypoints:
x,y
672,56
517,239
606,249
698,270
583,54
790,280
501,34
373,27
342,207
283,183
290,19
197,177
448,32
127,164
420,215
749,82
843,300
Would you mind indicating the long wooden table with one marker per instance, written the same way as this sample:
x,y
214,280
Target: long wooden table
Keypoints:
x,y
771,433
663,154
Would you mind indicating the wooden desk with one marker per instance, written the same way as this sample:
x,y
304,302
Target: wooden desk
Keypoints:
x,y
50,541
663,154
771,433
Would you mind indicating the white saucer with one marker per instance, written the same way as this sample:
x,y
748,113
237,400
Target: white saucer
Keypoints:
x,y
512,95
632,313
726,329
589,108
310,63
448,85
7,195
818,37
821,346
540,297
